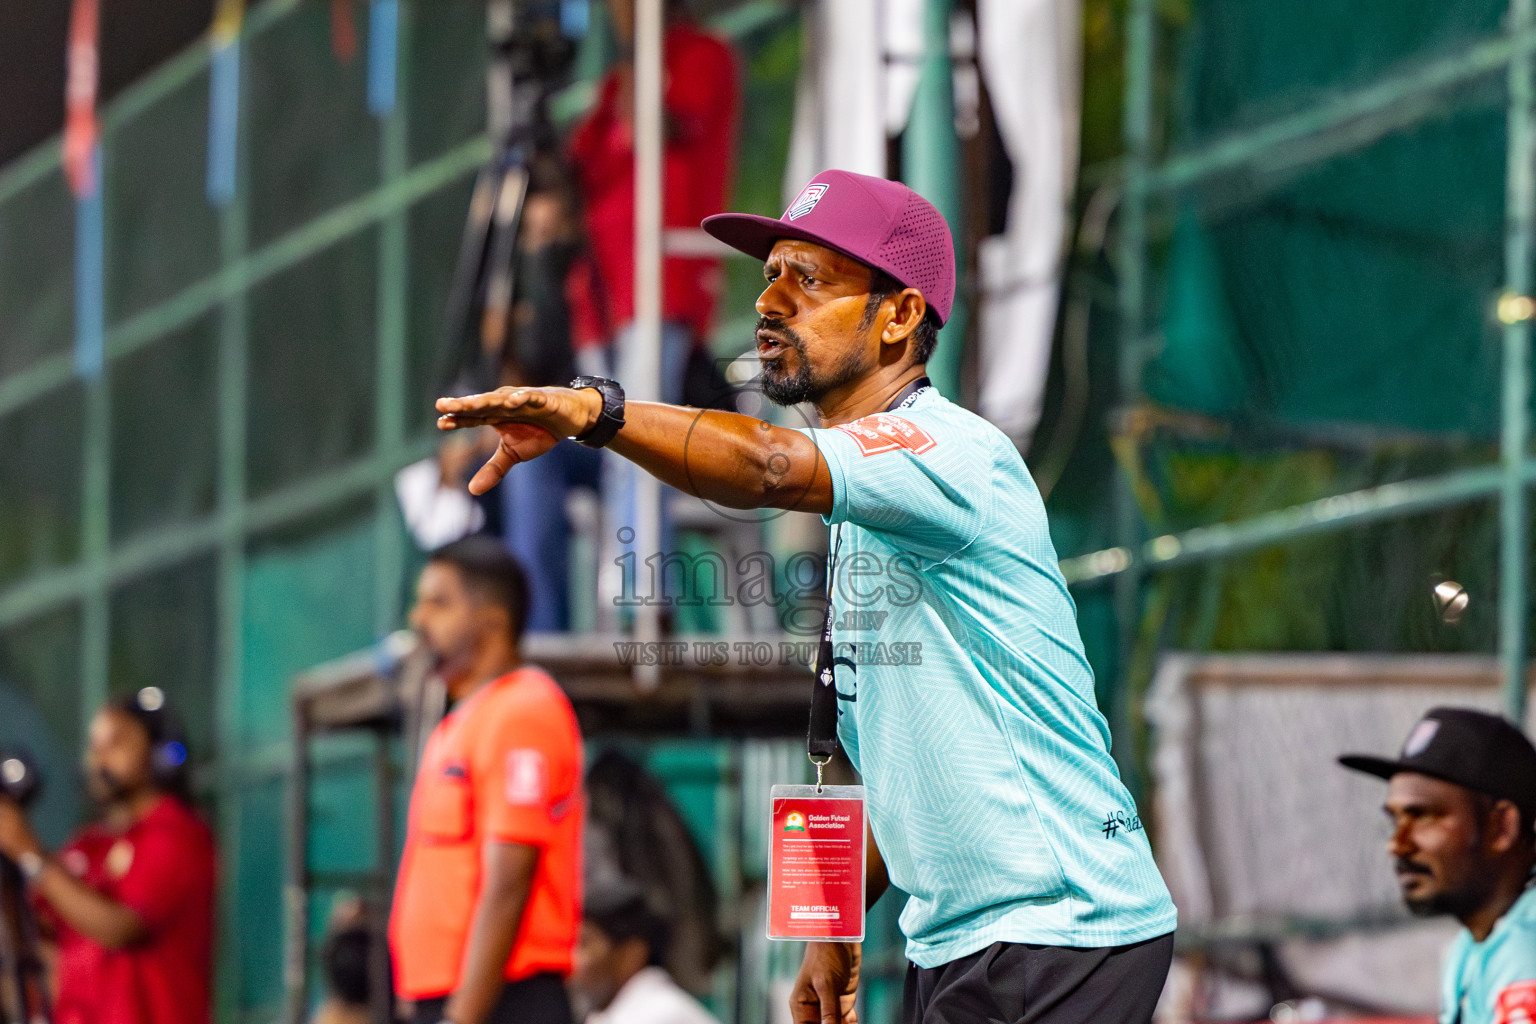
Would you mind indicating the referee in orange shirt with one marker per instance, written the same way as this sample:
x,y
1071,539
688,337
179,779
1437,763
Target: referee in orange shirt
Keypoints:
x,y
488,901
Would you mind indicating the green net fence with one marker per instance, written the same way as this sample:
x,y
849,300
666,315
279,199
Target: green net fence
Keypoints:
x,y
1324,245
214,512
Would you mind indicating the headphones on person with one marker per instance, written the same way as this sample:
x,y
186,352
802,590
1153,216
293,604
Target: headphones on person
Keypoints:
x,y
167,738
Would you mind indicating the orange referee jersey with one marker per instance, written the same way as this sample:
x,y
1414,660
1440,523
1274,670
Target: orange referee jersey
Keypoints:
x,y
503,767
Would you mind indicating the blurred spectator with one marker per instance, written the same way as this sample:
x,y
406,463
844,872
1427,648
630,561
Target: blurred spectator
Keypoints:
x,y
434,501
130,897
1462,800
531,499
344,964
701,108
636,834
701,102
486,903
619,977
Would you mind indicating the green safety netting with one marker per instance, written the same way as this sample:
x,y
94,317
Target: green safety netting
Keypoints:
x,y
1319,321
1335,316
163,239
301,335
37,248
1355,290
40,487
164,455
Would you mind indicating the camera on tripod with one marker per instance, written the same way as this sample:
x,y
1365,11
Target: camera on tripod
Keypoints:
x,y
539,48
20,778
23,994
533,52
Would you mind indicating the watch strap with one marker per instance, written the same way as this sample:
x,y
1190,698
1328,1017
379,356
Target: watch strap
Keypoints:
x,y
611,420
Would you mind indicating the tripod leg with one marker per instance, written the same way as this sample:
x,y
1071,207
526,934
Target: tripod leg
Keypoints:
x,y
37,1003
461,349
11,900
501,263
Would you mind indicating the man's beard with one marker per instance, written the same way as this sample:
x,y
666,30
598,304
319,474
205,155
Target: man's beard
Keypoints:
x,y
1457,903
804,385
106,788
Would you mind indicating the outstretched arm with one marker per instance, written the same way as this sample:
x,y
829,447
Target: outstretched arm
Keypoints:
x,y
733,460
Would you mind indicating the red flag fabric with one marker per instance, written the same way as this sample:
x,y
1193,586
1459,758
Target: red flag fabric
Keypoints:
x,y
80,128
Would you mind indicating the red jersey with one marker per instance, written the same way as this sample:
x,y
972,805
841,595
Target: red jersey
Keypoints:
x,y
702,97
163,869
503,767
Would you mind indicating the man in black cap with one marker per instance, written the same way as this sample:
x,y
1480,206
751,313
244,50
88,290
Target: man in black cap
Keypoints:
x,y
1462,799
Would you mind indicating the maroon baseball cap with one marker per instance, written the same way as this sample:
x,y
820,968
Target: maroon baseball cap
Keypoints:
x,y
880,223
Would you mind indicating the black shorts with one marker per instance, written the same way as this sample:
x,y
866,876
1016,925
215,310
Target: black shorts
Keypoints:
x,y
540,999
1012,983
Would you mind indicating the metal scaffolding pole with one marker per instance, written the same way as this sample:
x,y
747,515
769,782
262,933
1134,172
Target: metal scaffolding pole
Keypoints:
x,y
643,362
1131,274
1515,310
930,160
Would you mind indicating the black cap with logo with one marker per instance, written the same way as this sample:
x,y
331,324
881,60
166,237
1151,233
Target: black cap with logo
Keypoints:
x,y
1470,748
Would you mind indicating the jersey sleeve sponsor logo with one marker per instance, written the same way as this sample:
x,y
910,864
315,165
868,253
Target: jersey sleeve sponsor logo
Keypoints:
x,y
527,777
1516,1004
884,432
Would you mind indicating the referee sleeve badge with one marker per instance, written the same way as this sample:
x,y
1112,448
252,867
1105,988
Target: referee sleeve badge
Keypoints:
x,y
527,777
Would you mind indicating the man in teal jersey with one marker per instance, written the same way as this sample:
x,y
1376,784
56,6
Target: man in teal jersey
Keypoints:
x,y
1462,799
963,695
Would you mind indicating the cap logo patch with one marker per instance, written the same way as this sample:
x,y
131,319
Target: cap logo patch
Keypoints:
x,y
1420,738
809,197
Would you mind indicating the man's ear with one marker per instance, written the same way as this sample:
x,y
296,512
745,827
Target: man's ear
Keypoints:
x,y
634,954
494,618
910,309
1504,827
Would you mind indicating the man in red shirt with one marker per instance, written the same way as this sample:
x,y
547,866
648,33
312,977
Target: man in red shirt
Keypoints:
x,y
130,897
701,101
488,899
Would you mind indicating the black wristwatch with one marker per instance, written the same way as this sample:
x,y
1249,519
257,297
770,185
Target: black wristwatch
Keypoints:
x,y
611,419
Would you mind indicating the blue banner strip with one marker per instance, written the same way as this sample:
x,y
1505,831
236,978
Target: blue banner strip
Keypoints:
x,y
223,121
90,263
383,46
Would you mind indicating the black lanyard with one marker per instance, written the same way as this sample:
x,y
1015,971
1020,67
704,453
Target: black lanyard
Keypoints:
x,y
821,738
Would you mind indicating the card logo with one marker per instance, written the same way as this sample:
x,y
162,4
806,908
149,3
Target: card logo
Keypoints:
x,y
884,432
794,822
806,202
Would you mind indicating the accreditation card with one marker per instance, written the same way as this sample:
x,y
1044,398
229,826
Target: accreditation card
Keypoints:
x,y
816,863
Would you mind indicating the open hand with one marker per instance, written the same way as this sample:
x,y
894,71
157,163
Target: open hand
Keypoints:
x,y
530,421
828,982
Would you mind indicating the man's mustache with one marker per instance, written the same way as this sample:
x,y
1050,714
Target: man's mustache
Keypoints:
x,y
1408,867
782,329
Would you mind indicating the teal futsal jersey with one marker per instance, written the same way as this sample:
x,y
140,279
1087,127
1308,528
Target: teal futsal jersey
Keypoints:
x,y
1494,981
965,700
